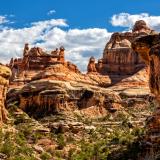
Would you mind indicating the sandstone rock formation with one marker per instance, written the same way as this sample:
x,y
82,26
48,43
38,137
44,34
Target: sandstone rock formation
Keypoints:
x,y
91,66
140,26
34,61
149,49
5,73
118,56
55,97
46,83
56,90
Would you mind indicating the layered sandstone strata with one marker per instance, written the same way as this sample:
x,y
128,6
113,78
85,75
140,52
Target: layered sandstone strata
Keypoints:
x,y
149,49
5,73
45,97
56,90
47,83
118,56
34,61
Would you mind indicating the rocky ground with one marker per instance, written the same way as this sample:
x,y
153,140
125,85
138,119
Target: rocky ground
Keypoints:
x,y
74,135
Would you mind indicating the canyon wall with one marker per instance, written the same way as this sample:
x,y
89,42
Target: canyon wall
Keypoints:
x,y
118,56
149,49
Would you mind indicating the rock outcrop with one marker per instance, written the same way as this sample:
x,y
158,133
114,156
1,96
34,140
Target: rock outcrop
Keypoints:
x,y
46,83
149,49
118,56
57,90
53,105
141,26
91,66
36,60
5,74
55,97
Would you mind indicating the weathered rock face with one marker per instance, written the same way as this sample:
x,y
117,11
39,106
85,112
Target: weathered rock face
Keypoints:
x,y
57,90
5,73
54,97
91,66
149,48
36,60
118,56
46,83
140,26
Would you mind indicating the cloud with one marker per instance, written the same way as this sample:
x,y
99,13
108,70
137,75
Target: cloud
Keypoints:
x,y
3,20
51,12
128,20
80,44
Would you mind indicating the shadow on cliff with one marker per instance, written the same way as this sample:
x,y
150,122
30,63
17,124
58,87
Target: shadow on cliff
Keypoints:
x,y
119,77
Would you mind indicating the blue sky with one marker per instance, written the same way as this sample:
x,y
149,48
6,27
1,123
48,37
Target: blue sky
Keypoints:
x,y
78,13
82,26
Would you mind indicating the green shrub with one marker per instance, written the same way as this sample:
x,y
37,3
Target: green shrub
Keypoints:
x,y
91,151
20,138
45,156
61,141
23,158
36,136
25,150
8,146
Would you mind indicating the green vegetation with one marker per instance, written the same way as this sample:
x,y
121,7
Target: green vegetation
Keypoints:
x,y
61,141
15,146
45,156
113,137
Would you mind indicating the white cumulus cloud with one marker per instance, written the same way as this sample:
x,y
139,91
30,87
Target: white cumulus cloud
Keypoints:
x,y
3,19
128,20
51,12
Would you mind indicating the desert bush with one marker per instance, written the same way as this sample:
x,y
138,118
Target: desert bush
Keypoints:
x,y
61,141
45,156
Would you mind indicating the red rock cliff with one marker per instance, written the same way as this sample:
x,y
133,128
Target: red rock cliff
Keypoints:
x,y
34,61
149,49
118,56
